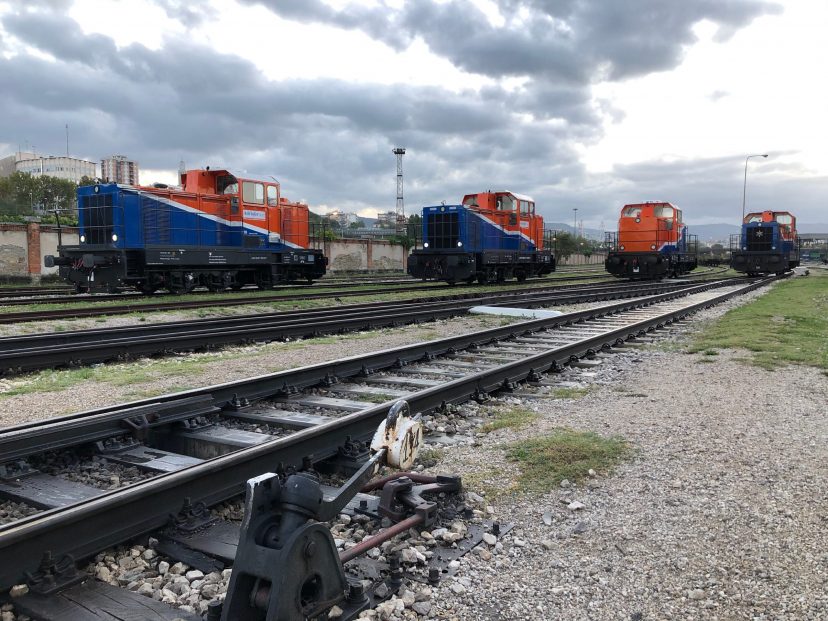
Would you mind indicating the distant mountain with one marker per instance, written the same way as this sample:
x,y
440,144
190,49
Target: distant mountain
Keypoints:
x,y
712,233
807,227
596,234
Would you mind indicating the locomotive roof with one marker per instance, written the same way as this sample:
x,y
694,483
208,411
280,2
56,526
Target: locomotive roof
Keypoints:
x,y
520,197
238,174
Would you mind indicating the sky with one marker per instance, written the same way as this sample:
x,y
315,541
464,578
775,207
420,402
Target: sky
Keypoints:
x,y
586,104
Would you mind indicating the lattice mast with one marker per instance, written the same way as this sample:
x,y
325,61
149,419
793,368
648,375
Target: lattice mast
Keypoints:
x,y
399,152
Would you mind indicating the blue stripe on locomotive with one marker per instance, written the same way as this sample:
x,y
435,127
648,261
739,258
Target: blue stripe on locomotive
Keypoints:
x,y
679,247
476,232
142,219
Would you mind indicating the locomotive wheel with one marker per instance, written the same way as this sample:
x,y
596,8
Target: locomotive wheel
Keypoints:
x,y
482,278
520,275
81,288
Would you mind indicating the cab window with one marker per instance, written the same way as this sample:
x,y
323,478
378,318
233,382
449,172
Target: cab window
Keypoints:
x,y
253,192
505,203
272,196
227,184
753,217
471,201
784,218
663,212
524,207
632,212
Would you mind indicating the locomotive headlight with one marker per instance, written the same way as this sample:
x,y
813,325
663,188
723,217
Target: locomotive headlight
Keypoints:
x,y
425,245
773,247
652,246
82,238
114,237
459,244
621,247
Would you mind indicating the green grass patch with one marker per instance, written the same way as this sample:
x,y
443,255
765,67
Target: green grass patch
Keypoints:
x,y
569,393
710,352
513,418
789,324
429,457
565,454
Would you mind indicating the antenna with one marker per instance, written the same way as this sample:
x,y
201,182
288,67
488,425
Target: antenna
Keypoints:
x,y
399,152
67,140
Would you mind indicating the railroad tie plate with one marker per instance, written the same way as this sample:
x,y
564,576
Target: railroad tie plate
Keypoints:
x,y
282,418
45,491
98,601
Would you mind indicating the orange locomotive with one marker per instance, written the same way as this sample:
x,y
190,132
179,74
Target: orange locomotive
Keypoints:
x,y
652,242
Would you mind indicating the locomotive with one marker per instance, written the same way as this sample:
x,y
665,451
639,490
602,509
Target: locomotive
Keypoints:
x,y
768,244
219,230
652,242
490,237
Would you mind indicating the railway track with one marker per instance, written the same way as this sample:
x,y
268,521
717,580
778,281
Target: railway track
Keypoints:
x,y
49,350
193,302
198,444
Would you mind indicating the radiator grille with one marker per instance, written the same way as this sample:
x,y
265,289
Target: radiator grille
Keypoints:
x,y
759,238
443,231
96,216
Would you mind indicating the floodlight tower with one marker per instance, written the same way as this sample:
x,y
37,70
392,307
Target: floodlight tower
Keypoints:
x,y
399,152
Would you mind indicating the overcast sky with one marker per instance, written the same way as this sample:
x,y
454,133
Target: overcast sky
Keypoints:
x,y
579,103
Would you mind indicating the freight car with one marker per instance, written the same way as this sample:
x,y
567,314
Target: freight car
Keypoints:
x,y
652,242
490,237
767,244
219,230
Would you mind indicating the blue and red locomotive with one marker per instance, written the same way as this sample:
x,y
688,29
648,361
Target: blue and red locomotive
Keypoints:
x,y
490,237
652,242
219,230
768,244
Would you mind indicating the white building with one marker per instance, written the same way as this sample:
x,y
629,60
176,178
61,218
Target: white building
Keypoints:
x,y
62,167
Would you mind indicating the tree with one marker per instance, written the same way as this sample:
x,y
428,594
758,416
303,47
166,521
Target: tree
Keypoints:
x,y
357,224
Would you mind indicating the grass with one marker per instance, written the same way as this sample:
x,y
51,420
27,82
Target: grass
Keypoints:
x,y
569,393
429,457
789,324
513,418
565,454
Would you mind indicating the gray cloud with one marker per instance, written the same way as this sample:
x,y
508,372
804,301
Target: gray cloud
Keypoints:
x,y
329,141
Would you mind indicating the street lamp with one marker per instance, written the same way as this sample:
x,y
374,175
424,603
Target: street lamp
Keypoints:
x,y
744,187
575,228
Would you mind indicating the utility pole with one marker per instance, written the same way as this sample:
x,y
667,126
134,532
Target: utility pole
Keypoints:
x,y
575,228
67,140
399,152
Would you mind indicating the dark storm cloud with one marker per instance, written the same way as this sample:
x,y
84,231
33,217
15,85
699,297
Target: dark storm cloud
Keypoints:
x,y
568,41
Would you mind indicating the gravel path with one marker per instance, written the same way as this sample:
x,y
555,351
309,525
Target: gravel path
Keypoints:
x,y
721,514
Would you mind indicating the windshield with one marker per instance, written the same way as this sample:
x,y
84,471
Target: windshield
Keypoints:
x,y
631,212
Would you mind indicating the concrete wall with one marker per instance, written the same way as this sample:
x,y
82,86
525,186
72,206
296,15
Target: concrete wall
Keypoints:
x,y
579,259
364,254
23,246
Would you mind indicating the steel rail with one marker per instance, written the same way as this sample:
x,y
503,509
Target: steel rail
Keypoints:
x,y
122,309
38,351
85,528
